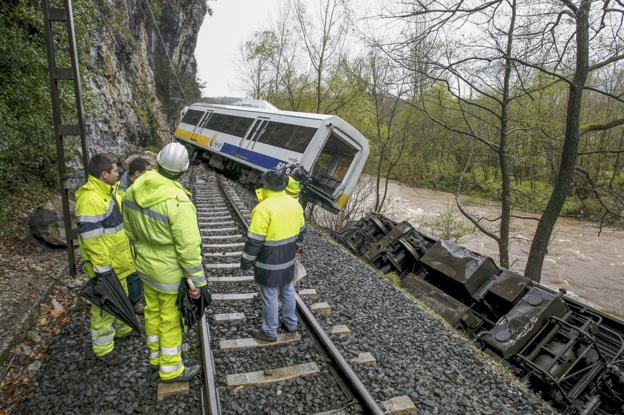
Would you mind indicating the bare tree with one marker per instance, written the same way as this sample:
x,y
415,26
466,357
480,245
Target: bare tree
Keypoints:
x,y
323,44
578,38
386,90
466,47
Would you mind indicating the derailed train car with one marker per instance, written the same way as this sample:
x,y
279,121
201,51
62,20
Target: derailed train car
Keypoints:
x,y
246,141
571,353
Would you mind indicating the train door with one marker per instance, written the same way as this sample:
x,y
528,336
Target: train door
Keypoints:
x,y
333,162
196,134
255,132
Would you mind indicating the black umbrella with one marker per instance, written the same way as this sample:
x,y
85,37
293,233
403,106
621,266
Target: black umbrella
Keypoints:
x,y
106,292
191,310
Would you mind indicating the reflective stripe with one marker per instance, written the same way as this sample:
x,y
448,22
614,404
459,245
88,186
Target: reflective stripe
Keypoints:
x,y
97,218
249,257
199,280
108,231
100,340
256,236
160,285
154,355
117,325
92,234
171,369
103,268
146,211
275,267
194,269
171,350
153,339
303,228
282,241
101,231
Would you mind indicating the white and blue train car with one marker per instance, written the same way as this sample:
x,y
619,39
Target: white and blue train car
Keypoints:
x,y
252,140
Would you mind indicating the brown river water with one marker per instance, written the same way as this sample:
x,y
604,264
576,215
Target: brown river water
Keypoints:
x,y
588,266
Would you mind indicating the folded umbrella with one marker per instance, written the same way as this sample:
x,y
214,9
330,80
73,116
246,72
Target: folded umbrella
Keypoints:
x,y
105,291
191,310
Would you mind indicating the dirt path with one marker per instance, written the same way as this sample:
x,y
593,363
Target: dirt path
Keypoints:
x,y
588,266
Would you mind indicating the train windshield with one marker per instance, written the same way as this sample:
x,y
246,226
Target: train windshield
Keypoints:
x,y
333,163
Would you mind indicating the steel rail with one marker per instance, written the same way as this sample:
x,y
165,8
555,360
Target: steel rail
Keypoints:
x,y
210,393
211,404
346,372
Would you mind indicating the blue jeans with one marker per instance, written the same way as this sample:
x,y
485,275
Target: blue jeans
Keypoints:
x,y
135,288
270,309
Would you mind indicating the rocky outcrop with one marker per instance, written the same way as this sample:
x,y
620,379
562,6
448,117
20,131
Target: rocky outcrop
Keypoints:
x,y
137,92
46,223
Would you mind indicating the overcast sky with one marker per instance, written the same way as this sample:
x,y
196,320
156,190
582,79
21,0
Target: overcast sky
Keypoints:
x,y
220,36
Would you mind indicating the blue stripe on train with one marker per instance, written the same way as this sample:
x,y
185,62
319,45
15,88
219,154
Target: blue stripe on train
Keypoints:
x,y
258,159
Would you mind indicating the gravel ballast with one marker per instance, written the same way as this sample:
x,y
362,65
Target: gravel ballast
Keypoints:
x,y
417,355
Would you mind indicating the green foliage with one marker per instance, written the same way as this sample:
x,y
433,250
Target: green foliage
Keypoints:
x,y
27,148
449,225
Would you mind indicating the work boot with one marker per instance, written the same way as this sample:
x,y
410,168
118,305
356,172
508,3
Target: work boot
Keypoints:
x,y
128,335
285,327
261,335
189,373
113,358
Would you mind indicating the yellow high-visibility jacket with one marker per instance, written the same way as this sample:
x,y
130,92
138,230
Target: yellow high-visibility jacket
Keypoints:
x,y
276,229
161,221
103,243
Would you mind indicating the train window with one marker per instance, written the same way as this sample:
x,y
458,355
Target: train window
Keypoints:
x,y
288,136
229,124
333,162
192,117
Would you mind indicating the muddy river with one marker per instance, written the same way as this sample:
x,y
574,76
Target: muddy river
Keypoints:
x,y
588,266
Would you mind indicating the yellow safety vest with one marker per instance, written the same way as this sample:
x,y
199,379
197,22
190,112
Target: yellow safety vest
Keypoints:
x,y
103,243
276,229
161,221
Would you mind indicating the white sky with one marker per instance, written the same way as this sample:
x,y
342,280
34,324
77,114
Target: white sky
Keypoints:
x,y
219,39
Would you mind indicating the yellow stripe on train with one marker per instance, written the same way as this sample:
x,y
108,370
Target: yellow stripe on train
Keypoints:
x,y
342,200
197,138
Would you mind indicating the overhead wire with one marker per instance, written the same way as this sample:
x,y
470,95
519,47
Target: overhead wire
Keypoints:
x,y
162,42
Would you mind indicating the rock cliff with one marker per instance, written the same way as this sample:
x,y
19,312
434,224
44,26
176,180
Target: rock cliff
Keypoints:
x,y
141,71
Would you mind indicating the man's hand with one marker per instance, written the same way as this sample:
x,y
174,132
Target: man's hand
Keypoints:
x,y
299,251
195,293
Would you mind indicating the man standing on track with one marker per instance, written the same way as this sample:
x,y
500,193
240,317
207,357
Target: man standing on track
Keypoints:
x,y
274,239
161,221
105,248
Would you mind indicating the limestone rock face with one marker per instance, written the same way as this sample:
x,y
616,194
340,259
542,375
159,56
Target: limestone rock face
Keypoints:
x,y
138,56
148,155
46,222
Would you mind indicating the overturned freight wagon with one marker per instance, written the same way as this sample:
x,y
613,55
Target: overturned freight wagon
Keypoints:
x,y
570,352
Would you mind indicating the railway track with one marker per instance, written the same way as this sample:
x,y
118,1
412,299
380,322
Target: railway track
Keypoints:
x,y
303,372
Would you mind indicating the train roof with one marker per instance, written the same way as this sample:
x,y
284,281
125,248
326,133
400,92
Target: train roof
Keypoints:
x,y
309,115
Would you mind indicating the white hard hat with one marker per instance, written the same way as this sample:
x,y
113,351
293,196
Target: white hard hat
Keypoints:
x,y
173,157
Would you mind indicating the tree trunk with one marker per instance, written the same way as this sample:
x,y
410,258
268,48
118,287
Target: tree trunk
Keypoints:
x,y
561,189
503,241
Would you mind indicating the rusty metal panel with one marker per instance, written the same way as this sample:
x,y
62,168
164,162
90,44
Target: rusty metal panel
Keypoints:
x,y
451,310
513,331
461,264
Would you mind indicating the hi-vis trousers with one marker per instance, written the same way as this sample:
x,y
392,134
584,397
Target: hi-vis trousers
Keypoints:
x,y
105,327
164,333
